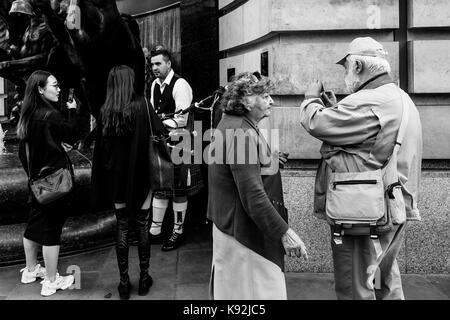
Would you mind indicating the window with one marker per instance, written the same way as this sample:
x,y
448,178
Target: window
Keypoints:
x,y
230,74
265,64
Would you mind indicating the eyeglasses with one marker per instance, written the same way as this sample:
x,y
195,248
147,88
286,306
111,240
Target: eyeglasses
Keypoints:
x,y
55,85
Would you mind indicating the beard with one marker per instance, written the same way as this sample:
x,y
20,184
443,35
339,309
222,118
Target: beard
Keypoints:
x,y
351,82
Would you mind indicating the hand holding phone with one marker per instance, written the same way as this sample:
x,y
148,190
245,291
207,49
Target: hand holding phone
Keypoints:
x,y
71,103
329,98
70,99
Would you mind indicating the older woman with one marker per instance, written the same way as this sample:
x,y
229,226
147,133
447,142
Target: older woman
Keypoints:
x,y
250,232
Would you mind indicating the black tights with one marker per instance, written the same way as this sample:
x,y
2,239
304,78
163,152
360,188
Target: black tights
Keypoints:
x,y
142,229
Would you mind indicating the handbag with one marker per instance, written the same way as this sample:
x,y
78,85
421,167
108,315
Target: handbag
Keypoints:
x,y
161,165
49,186
359,203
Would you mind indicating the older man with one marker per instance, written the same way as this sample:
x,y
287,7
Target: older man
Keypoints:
x,y
359,134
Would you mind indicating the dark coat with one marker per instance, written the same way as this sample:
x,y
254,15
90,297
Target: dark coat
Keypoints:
x,y
46,131
121,172
242,202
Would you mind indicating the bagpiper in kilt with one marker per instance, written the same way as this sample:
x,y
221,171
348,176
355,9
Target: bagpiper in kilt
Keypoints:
x,y
171,94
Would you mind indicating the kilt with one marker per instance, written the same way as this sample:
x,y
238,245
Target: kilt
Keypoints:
x,y
188,181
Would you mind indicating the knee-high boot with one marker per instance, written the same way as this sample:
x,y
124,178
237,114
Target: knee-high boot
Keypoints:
x,y
143,228
122,217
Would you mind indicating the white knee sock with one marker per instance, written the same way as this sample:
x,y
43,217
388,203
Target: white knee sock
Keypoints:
x,y
159,210
179,211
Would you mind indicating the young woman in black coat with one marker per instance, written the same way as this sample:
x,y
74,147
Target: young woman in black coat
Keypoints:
x,y
43,129
122,165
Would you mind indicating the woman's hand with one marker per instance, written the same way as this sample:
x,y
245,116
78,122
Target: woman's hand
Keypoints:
x,y
71,105
293,245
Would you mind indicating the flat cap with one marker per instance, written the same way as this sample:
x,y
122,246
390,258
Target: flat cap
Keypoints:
x,y
364,46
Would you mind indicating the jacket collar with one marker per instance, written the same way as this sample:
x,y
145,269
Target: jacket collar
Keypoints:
x,y
377,81
251,123
167,79
254,127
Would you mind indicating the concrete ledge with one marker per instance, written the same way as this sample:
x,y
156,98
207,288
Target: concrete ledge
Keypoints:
x,y
258,18
334,15
293,65
224,3
295,140
436,133
79,234
428,13
427,245
14,195
429,66
293,137
83,230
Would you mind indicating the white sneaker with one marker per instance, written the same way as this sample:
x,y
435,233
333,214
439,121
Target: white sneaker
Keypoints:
x,y
61,282
30,276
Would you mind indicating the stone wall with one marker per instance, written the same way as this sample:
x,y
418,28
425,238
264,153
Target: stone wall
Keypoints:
x,y
303,40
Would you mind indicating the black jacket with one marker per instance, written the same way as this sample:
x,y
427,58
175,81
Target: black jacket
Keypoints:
x,y
46,131
121,168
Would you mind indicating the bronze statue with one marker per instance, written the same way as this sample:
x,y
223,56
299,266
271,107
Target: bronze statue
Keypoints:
x,y
77,40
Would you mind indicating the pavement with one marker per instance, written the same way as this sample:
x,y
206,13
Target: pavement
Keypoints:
x,y
183,274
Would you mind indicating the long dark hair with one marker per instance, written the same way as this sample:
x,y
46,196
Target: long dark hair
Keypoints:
x,y
32,100
116,113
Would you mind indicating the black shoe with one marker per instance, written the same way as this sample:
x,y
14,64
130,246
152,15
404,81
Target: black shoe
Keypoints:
x,y
145,282
158,239
124,290
173,243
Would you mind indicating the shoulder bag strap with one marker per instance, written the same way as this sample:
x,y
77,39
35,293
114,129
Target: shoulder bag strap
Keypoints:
x,y
149,118
401,131
27,153
27,150
403,125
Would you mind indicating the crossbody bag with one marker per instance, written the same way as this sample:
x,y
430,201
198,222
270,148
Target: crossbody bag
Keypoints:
x,y
368,202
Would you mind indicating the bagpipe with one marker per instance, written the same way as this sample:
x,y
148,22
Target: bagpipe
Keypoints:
x,y
208,104
215,97
187,175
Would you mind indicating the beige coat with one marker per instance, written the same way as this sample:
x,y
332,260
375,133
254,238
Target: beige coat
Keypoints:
x,y
359,134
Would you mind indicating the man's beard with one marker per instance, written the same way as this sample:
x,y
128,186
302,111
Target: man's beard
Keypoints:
x,y
352,82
